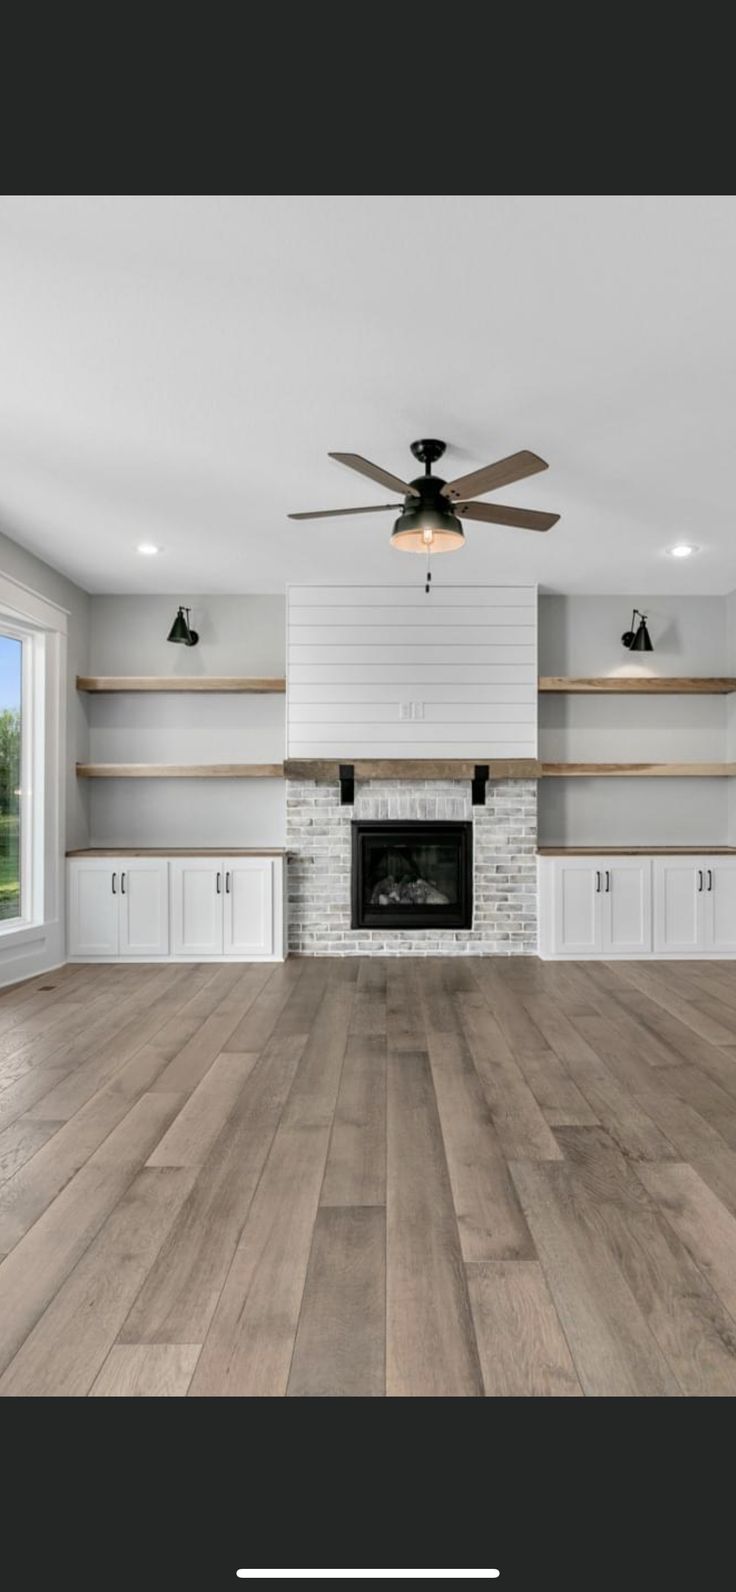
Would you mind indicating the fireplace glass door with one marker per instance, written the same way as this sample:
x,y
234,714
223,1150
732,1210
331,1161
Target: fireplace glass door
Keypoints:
x,y
412,875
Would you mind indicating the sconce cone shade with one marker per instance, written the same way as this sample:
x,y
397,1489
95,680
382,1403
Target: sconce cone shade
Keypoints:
x,y
427,530
642,641
638,640
181,630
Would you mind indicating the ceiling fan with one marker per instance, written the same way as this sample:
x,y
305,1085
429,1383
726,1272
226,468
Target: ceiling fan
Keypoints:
x,y
429,518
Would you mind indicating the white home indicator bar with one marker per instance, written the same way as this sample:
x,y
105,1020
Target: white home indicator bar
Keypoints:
x,y
369,1575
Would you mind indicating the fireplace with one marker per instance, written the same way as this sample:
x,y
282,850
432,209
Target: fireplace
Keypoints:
x,y
412,875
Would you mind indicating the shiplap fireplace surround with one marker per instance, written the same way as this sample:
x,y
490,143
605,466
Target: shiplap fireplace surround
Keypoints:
x,y
384,672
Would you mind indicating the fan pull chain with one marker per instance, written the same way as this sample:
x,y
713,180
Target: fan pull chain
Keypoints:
x,y
428,583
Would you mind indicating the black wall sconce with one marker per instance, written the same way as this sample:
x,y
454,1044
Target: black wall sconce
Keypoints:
x,y
181,629
638,640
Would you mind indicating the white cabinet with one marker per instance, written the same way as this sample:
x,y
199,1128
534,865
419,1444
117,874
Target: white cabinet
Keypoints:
x,y
197,908
627,906
118,906
143,907
679,885
576,886
720,898
224,906
249,906
604,906
600,906
93,907
695,906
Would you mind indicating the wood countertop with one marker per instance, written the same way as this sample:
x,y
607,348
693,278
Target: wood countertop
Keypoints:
x,y
179,851
636,851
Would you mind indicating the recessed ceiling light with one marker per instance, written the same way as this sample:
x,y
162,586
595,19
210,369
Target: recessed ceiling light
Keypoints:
x,y
148,549
682,550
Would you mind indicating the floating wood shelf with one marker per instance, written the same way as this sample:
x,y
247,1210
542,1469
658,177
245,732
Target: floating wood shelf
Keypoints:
x,y
180,770
325,770
638,770
641,685
164,682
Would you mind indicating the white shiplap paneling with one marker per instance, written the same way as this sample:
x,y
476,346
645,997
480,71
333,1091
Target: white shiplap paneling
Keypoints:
x,y
419,635
303,713
375,669
393,691
413,597
400,617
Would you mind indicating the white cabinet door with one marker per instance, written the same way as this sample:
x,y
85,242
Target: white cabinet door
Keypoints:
x,y
197,894
679,896
249,906
144,906
720,904
93,906
577,890
627,905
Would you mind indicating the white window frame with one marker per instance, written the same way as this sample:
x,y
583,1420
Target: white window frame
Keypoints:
x,y
41,625
32,716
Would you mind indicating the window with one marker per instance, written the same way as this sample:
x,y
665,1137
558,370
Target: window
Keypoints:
x,y
12,882
33,635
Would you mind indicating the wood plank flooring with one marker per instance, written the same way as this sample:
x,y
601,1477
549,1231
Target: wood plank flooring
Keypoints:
x,y
356,1178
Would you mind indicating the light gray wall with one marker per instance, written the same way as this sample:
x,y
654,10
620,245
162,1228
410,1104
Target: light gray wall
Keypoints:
x,y
245,635
582,636
238,635
33,572
731,711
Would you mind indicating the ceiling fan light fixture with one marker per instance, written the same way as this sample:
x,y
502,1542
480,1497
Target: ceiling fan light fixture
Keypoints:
x,y
427,530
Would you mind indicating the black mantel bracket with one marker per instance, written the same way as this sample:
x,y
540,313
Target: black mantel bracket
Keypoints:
x,y
347,784
478,786
346,775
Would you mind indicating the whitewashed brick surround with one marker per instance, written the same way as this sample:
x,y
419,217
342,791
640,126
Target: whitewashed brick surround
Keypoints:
x,y
505,867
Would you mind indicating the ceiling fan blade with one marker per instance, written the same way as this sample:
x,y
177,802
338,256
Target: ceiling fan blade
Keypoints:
x,y
329,514
502,473
355,461
496,514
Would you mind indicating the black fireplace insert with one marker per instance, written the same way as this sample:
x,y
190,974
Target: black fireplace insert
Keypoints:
x,y
412,875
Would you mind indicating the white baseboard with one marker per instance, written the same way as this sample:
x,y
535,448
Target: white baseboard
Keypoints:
x,y
169,961
636,956
28,967
26,958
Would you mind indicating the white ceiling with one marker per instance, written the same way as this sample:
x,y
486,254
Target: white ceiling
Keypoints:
x,y
175,369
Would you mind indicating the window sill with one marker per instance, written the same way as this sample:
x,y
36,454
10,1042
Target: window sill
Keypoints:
x,y
21,933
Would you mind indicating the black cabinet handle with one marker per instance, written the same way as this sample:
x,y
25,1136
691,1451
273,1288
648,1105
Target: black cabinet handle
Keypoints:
x,y
219,884
700,878
710,878
122,884
608,880
114,877
597,881
227,882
